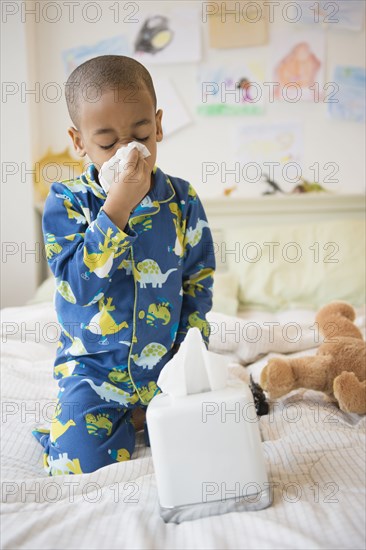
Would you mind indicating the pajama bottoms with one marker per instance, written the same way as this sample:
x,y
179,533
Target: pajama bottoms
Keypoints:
x,y
92,424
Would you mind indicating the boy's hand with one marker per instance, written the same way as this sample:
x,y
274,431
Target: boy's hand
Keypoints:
x,y
138,418
129,190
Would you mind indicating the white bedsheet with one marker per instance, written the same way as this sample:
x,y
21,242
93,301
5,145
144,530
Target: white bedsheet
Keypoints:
x,y
315,457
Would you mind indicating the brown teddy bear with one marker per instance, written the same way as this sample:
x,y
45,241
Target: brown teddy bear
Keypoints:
x,y
338,369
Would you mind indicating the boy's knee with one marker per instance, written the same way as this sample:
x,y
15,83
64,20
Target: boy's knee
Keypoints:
x,y
89,441
86,433
80,456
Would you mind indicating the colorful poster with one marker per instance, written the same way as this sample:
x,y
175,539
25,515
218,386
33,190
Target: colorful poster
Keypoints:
x,y
172,37
339,15
175,115
273,150
72,58
231,89
298,64
349,102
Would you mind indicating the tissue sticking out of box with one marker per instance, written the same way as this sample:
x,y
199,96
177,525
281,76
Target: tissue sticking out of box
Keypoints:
x,y
193,369
111,169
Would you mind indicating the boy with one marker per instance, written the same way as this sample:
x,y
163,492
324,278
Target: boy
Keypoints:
x,y
133,267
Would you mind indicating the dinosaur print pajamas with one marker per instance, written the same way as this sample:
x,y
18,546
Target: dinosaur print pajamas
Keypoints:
x,y
123,299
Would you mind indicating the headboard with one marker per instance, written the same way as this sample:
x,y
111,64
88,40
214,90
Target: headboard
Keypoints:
x,y
273,210
291,250
270,209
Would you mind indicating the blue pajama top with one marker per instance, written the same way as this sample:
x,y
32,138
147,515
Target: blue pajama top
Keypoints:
x,y
125,297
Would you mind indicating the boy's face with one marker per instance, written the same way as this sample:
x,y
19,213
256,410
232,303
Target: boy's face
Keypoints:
x,y
111,122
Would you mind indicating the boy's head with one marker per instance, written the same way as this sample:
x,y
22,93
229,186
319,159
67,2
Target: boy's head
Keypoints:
x,y
111,101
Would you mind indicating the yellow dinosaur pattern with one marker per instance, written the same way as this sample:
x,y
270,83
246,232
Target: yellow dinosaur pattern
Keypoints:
x,y
190,286
52,246
65,369
119,454
195,321
103,322
148,392
101,262
58,429
99,425
180,228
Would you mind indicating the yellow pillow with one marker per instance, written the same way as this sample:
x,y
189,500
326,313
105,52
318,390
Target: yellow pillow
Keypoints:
x,y
302,265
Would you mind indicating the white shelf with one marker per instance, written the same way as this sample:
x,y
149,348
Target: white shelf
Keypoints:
x,y
277,208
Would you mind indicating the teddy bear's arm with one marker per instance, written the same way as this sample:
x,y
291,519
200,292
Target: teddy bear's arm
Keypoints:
x,y
281,376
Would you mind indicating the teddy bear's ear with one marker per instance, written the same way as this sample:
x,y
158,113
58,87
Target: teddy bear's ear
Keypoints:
x,y
336,319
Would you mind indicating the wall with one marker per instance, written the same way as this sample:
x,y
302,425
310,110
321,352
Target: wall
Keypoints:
x,y
209,139
20,259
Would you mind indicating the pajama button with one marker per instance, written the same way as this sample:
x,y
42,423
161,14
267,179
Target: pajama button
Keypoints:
x,y
141,314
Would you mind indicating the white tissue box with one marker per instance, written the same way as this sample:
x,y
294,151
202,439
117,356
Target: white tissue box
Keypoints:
x,y
207,453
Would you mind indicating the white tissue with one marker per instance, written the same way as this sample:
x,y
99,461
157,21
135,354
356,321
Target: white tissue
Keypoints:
x,y
193,369
115,165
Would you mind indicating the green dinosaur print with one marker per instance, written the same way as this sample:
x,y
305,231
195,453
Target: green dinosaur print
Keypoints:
x,y
195,321
52,247
117,376
99,425
148,392
157,314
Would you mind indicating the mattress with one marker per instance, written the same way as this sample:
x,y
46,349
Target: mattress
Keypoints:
x,y
315,456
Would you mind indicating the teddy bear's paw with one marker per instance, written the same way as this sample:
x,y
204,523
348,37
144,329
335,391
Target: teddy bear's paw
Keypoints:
x,y
277,378
350,393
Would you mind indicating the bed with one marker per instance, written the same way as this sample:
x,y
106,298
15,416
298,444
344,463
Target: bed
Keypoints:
x,y
315,454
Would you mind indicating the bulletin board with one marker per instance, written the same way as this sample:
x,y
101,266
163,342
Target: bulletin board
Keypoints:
x,y
215,64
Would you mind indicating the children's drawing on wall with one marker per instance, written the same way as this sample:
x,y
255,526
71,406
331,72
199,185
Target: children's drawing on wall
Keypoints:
x,y
269,158
298,65
340,15
349,101
231,89
162,38
175,114
117,45
154,35
239,25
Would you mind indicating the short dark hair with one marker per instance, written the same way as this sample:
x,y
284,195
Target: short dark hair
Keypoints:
x,y
106,72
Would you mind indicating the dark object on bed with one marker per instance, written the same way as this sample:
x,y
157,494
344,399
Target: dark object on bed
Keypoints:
x,y
146,435
260,400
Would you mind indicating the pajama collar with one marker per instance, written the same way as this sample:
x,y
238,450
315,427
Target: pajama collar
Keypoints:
x,y
161,191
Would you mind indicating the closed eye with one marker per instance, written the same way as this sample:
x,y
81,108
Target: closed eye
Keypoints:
x,y
105,147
